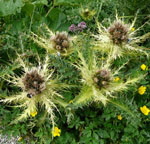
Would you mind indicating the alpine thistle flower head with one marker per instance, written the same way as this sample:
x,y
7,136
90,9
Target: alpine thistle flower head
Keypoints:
x,y
119,39
118,32
98,80
54,42
38,89
61,41
34,83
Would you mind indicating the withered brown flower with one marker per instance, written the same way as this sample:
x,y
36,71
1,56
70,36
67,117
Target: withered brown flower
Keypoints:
x,y
33,83
102,78
61,41
118,32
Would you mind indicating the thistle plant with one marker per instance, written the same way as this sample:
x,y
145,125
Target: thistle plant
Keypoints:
x,y
99,80
120,39
38,89
59,42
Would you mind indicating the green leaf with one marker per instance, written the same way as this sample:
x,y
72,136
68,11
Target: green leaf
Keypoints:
x,y
28,8
57,18
40,2
9,7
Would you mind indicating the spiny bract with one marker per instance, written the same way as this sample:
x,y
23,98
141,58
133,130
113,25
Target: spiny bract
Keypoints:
x,y
98,80
54,43
119,39
38,88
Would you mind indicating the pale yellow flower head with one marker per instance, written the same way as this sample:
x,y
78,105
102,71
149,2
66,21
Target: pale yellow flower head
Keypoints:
x,y
143,67
119,117
33,114
145,110
56,132
141,90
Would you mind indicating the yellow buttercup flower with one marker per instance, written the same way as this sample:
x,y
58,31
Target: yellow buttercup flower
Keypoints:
x,y
143,67
56,132
145,110
132,29
20,139
33,114
141,90
119,117
116,79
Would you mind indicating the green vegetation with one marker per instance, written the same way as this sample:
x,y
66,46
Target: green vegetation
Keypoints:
x,y
75,71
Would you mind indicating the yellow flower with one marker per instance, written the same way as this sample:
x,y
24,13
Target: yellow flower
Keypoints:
x,y
116,79
33,114
145,110
119,117
71,101
132,29
143,67
20,139
141,90
56,132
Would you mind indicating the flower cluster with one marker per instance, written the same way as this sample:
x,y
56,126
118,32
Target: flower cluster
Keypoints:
x,y
80,27
101,81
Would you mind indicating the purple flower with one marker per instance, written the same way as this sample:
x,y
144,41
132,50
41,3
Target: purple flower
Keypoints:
x,y
73,28
82,25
